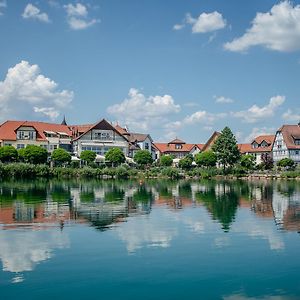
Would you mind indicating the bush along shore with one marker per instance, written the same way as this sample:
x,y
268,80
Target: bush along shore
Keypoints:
x,y
27,170
34,161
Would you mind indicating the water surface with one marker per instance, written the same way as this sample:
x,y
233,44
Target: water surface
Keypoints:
x,y
149,240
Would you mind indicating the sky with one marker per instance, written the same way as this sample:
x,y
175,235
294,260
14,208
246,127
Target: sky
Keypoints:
x,y
171,68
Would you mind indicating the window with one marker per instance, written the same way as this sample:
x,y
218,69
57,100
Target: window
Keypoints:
x,y
147,146
26,135
297,152
297,142
20,146
178,146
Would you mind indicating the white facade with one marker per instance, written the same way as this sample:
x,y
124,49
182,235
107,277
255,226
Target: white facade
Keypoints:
x,y
100,141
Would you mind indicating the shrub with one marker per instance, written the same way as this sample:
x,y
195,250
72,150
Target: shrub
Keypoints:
x,y
287,163
34,154
115,156
185,163
121,172
60,156
170,172
248,161
88,156
166,160
206,159
8,154
143,158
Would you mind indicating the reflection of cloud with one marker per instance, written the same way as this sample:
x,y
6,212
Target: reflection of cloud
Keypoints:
x,y
258,228
143,232
222,241
22,250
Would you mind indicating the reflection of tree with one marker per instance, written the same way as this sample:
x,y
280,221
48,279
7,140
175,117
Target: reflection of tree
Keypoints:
x,y
60,194
222,204
115,194
185,190
87,196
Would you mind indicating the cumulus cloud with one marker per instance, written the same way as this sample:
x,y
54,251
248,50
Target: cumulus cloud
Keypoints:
x,y
278,29
289,115
77,16
256,113
2,6
257,131
139,111
206,22
222,99
32,12
25,90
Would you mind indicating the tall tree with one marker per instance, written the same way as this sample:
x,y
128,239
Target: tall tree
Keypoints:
x,y
143,158
226,149
60,156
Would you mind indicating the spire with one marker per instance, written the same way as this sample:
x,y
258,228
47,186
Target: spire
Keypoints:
x,y
64,121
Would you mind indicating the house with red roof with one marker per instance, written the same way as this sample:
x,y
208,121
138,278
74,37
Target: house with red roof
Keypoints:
x,y
178,148
51,136
287,143
260,145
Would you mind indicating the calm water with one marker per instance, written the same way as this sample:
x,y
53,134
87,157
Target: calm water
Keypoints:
x,y
152,240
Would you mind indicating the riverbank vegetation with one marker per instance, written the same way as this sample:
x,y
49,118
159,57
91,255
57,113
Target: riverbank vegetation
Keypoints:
x,y
223,159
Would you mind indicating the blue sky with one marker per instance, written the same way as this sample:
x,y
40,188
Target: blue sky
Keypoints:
x,y
171,68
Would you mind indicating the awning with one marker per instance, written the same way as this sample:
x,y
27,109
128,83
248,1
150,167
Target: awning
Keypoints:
x,y
62,133
75,158
100,158
50,132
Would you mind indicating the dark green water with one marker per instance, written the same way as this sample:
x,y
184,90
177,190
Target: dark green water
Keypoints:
x,y
152,240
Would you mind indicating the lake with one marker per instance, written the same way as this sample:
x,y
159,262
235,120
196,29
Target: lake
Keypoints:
x,y
150,240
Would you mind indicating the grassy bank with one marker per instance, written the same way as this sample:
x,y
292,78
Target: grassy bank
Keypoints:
x,y
25,170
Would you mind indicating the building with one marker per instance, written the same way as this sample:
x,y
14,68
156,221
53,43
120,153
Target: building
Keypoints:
x,y
138,141
99,137
177,148
207,146
287,143
51,136
260,145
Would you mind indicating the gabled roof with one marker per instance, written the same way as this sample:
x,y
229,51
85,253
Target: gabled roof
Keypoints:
x,y
177,141
289,133
211,141
167,147
269,139
104,125
121,130
139,137
8,130
200,146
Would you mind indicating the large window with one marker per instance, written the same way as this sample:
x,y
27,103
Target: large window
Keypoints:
x,y
104,136
26,135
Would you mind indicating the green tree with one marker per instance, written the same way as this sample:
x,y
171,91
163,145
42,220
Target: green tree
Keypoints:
x,y
185,163
88,156
248,161
60,156
34,154
206,159
286,163
226,149
8,154
143,157
166,160
115,156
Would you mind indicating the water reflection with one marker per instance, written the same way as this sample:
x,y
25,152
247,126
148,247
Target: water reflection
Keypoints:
x,y
33,215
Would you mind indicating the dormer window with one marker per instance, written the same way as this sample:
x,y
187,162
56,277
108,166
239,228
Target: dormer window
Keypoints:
x,y
264,144
26,134
254,145
178,146
297,142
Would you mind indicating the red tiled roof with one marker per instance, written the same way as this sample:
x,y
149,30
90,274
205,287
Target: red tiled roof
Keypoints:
x,y
267,138
290,132
8,129
167,147
177,141
121,130
200,146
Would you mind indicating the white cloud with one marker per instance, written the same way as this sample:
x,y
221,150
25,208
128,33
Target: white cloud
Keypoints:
x,y
24,88
257,131
256,113
290,116
77,16
178,26
277,30
206,22
50,112
32,12
2,5
222,99
139,111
